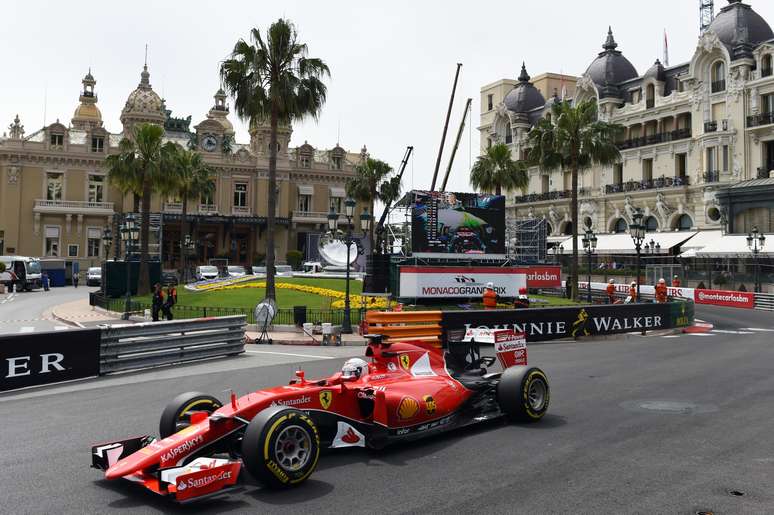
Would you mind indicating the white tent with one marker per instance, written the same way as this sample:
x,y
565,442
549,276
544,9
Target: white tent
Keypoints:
x,y
698,242
622,243
734,245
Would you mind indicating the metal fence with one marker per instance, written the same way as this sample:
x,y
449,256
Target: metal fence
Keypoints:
x,y
764,301
137,346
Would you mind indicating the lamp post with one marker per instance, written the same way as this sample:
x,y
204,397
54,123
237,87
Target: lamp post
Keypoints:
x,y
129,234
589,245
755,241
637,232
107,241
187,249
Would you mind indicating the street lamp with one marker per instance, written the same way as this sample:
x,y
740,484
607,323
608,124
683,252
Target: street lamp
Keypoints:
x,y
107,241
637,232
129,235
188,247
755,241
589,245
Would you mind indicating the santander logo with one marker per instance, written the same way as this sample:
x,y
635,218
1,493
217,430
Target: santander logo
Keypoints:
x,y
350,437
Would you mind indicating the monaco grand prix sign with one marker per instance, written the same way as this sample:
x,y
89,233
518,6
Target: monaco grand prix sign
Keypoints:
x,y
426,282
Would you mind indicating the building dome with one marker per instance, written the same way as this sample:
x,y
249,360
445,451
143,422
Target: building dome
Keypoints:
x,y
87,114
740,28
143,104
610,67
524,97
655,72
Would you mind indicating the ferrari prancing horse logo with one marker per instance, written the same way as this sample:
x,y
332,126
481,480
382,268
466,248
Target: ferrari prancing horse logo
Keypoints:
x,y
326,397
405,361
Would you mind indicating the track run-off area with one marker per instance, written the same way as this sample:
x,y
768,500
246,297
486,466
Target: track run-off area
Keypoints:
x,y
677,423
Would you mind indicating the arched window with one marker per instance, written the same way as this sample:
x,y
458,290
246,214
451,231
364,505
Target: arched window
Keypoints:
x,y
766,66
620,226
549,229
567,229
650,96
684,223
718,76
651,224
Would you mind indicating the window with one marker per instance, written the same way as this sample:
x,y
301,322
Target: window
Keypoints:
x,y
636,96
711,159
544,183
618,173
96,188
336,162
651,224
240,194
681,164
725,158
684,223
489,143
767,104
53,186
766,66
508,135
489,102
718,77
650,96
52,241
2,243
97,143
208,199
57,140
304,202
335,204
620,226
647,169
72,251
306,162
93,241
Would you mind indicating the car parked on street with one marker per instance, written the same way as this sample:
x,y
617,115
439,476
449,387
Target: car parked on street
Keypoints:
x,y
206,272
236,271
94,276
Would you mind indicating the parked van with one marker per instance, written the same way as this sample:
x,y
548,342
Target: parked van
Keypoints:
x,y
206,272
26,273
236,271
94,276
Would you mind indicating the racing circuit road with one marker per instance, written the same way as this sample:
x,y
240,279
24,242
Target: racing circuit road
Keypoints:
x,y
636,425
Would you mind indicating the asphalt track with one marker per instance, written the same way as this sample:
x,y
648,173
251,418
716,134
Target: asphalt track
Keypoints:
x,y
636,425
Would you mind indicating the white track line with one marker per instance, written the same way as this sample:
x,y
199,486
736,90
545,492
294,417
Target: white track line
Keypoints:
x,y
60,327
758,329
700,334
724,331
289,354
27,329
671,336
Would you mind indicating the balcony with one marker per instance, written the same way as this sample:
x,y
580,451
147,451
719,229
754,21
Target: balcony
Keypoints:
x,y
313,217
551,195
760,119
73,207
713,176
652,184
710,126
173,207
208,209
654,139
240,211
718,86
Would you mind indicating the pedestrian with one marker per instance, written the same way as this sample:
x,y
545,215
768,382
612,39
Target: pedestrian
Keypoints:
x,y
661,291
568,287
675,282
170,301
158,301
522,301
490,297
632,293
75,279
44,280
611,291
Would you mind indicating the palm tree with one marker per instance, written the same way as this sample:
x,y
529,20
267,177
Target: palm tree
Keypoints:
x,y
139,167
123,175
274,79
192,179
574,140
372,182
495,171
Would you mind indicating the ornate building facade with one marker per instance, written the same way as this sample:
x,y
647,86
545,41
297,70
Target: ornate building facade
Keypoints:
x,y
691,132
55,197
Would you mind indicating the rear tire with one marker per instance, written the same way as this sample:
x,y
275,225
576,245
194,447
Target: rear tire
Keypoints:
x,y
176,415
281,447
523,393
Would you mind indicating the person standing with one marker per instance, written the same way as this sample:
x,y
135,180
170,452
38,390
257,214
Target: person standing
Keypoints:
x,y
44,280
610,291
661,291
490,297
75,279
522,301
170,301
675,282
632,293
158,301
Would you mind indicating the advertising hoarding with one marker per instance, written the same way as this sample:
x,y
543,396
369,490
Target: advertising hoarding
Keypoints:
x,y
425,282
448,224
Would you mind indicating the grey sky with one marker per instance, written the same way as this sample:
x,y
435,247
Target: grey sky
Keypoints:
x,y
392,63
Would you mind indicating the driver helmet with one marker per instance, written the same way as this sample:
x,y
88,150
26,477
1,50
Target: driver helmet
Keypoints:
x,y
354,367
634,283
661,281
522,291
490,285
612,281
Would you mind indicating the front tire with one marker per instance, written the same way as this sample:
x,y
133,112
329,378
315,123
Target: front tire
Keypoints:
x,y
281,447
523,393
177,414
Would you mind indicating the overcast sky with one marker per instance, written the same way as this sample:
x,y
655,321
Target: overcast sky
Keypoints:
x,y
392,63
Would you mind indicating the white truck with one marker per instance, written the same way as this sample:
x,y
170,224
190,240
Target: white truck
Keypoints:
x,y
21,273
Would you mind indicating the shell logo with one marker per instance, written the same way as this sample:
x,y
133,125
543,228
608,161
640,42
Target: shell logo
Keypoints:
x,y
408,408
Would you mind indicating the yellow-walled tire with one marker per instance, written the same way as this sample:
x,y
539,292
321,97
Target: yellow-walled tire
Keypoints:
x,y
176,415
281,447
523,393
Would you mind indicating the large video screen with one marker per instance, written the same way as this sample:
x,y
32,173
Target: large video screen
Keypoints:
x,y
457,223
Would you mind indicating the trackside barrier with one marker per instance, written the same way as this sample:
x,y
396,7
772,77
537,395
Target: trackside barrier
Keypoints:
x,y
764,301
406,325
162,343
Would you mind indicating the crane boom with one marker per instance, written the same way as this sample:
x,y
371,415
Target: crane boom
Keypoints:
x,y
445,127
456,144
385,212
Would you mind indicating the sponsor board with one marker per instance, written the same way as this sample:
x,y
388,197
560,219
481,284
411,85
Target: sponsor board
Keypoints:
x,y
424,282
42,358
734,299
205,481
542,276
408,408
305,399
183,449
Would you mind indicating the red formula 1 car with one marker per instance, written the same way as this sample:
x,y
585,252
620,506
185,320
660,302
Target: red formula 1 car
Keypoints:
x,y
408,391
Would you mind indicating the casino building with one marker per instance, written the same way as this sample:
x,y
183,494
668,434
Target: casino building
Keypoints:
x,y
698,148
55,198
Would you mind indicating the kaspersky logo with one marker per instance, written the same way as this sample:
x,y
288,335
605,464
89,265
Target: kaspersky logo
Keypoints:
x,y
182,448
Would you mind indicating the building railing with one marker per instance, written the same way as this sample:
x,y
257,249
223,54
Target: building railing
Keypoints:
x,y
551,195
72,205
173,207
208,208
660,182
710,126
760,119
718,86
316,215
713,176
240,210
654,139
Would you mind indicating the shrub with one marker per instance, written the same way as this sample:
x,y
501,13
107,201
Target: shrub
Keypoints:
x,y
295,258
2,267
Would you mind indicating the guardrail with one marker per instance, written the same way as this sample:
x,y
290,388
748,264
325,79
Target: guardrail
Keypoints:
x,y
764,301
162,343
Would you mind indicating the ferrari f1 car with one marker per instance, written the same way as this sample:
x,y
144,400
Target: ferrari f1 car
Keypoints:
x,y
407,391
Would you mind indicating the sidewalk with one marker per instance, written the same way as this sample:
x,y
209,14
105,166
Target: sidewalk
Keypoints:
x,y
299,338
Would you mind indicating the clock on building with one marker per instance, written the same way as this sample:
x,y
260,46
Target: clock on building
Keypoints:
x,y
209,143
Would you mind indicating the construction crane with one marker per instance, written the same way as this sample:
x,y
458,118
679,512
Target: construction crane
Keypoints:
x,y
706,14
445,127
380,226
456,143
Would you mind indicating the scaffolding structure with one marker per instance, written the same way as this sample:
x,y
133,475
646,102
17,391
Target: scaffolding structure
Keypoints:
x,y
526,240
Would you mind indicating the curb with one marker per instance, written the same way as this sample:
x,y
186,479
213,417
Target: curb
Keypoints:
x,y
698,328
66,320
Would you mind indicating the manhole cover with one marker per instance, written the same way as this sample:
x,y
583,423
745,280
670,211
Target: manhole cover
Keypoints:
x,y
669,407
736,493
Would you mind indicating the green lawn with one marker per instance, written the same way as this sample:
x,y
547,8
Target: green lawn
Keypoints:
x,y
249,297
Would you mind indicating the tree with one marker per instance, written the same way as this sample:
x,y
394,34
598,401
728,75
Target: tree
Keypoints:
x,y
372,182
138,166
275,79
495,171
574,140
191,179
